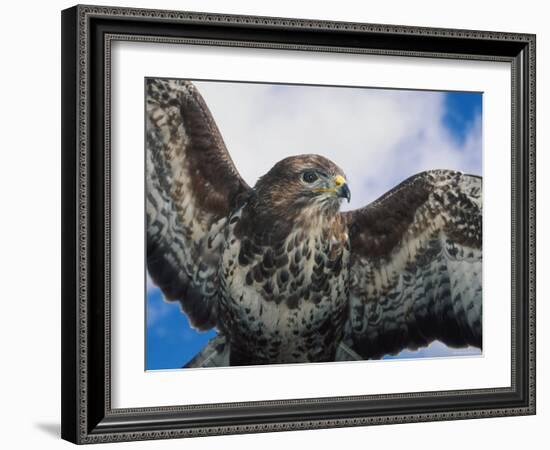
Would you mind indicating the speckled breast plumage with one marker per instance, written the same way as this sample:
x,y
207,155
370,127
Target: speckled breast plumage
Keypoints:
x,y
284,301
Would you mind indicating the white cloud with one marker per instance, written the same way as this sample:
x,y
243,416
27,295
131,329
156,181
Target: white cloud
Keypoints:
x,y
155,311
150,285
378,137
158,308
434,350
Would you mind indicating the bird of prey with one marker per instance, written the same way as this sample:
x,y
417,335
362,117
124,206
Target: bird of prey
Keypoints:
x,y
280,272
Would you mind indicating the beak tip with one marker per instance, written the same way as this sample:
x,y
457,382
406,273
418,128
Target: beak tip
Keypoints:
x,y
344,192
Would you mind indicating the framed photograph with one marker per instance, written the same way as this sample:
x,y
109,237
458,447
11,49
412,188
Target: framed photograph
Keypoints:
x,y
283,224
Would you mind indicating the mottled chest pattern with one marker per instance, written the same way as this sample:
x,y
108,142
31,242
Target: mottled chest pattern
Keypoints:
x,y
303,264
284,299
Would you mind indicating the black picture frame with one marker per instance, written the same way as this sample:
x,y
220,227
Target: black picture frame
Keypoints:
x,y
87,32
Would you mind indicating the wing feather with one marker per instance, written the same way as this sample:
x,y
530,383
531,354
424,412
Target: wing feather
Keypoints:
x,y
192,186
415,273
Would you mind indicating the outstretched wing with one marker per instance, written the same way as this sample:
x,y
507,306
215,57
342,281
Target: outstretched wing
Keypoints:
x,y
191,187
415,273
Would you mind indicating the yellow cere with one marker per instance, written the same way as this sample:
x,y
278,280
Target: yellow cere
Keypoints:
x,y
339,180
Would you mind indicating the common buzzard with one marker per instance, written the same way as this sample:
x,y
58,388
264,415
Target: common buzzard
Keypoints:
x,y
280,272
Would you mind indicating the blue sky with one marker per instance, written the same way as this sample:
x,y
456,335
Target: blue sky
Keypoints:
x,y
461,110
379,137
171,342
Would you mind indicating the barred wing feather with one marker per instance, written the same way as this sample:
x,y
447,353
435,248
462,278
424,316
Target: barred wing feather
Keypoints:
x,y
192,186
415,273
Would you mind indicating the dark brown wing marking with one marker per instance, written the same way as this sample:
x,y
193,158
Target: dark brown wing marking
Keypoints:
x,y
192,186
415,272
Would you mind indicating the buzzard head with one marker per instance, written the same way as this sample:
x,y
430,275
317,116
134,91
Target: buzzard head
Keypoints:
x,y
303,183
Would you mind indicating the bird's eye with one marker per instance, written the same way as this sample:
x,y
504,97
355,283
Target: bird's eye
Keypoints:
x,y
309,176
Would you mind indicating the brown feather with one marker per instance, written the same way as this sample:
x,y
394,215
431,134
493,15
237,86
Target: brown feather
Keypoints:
x,y
191,188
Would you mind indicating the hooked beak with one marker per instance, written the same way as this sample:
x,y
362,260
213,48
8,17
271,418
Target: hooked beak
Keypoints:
x,y
342,189
338,187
